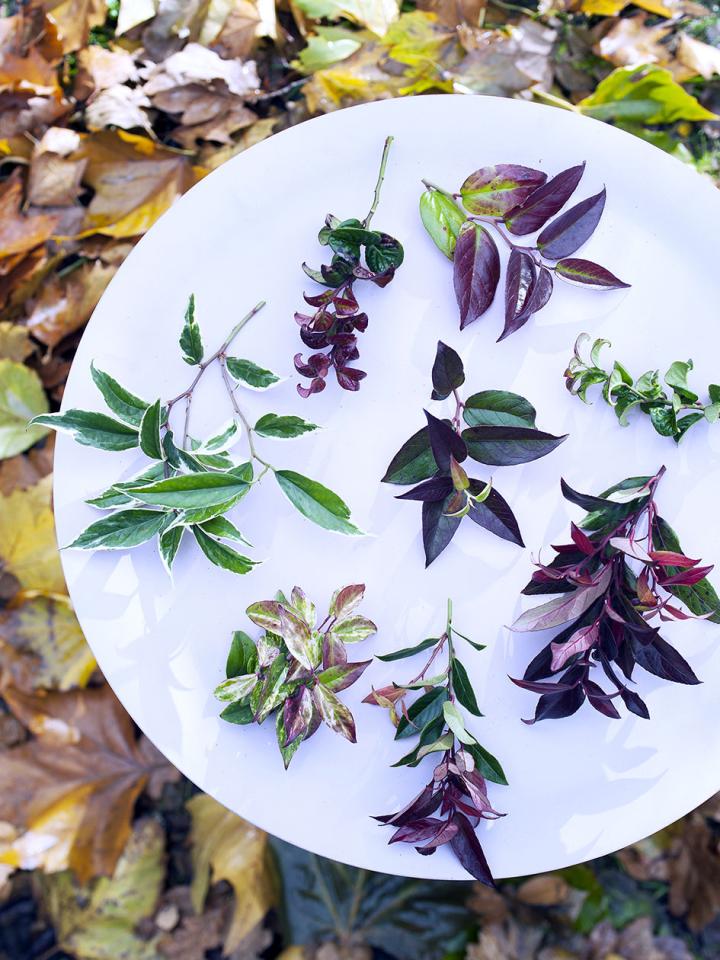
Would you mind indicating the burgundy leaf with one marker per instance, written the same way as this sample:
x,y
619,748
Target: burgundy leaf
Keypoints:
x,y
669,558
544,202
418,830
444,443
582,640
687,577
436,488
503,445
443,834
495,515
564,608
334,651
349,378
556,706
467,849
447,373
571,229
437,528
425,803
297,713
634,703
589,273
539,686
539,296
600,700
581,540
519,283
476,272
494,190
662,660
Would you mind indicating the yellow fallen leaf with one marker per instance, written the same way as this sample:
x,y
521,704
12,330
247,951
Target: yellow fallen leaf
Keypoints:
x,y
657,7
603,8
47,845
42,645
98,923
14,341
231,849
28,548
358,79
21,398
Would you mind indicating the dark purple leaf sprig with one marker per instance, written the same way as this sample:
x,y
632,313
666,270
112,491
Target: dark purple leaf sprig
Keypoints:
x,y
297,667
499,430
359,253
670,414
450,808
623,570
512,200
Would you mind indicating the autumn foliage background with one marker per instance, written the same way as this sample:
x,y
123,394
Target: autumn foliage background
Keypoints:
x,y
109,110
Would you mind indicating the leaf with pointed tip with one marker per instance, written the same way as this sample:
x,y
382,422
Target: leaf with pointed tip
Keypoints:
x,y
700,598
444,443
222,555
598,699
448,372
191,491
190,339
486,764
582,640
438,529
333,712
571,229
169,544
662,660
297,713
316,502
413,462
242,657
342,675
506,445
564,608
463,688
408,651
91,429
495,190
150,436
266,614
540,293
495,515
436,488
222,527
346,599
442,218
122,530
519,282
298,638
588,273
354,629
634,703
467,849
498,408
250,374
113,497
476,272
283,428
422,712
543,203
122,403
555,706
236,688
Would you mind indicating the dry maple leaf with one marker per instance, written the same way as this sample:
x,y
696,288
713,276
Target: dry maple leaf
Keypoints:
x,y
28,548
77,781
231,849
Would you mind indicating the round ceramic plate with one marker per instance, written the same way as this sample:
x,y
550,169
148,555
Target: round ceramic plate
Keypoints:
x,y
580,787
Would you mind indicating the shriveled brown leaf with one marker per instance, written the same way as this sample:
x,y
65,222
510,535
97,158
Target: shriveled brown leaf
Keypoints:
x,y
18,232
506,941
489,903
84,770
213,157
695,874
647,859
65,303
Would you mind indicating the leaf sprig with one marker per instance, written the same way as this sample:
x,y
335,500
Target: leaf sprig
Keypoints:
x,y
297,667
458,789
191,485
500,431
359,253
621,571
670,414
521,200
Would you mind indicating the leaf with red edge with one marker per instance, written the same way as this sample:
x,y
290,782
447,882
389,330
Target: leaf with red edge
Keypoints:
x,y
588,273
686,578
467,849
669,558
334,712
476,272
572,229
494,190
544,202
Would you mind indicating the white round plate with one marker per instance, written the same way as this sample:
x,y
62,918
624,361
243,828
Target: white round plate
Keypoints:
x,y
580,787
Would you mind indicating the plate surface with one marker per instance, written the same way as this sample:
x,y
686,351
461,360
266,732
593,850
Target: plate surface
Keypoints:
x,y
580,788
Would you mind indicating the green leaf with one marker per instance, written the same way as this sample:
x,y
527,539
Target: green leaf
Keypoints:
x,y
250,374
700,598
122,530
221,527
316,502
242,657
114,497
150,438
271,425
413,462
238,713
190,339
326,46
122,403
235,688
22,398
645,94
192,491
498,408
456,722
222,555
463,687
169,544
676,377
287,751
486,764
92,429
202,515
386,255
408,651
442,219
223,440
425,709
663,419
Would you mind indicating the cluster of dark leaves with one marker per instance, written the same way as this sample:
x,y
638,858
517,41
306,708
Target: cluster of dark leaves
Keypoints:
x,y
606,608
297,667
358,254
671,415
450,807
500,431
522,200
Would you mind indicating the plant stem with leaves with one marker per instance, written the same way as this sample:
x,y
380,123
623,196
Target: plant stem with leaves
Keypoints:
x,y
458,789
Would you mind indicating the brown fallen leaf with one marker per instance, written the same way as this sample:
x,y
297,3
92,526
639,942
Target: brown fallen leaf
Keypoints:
x,y
229,848
74,19
694,867
544,890
83,770
20,233
702,59
630,42
118,106
42,645
451,13
505,62
54,181
238,34
28,548
101,67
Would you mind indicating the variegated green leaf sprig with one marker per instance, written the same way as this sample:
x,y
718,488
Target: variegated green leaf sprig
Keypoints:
x,y
188,485
297,667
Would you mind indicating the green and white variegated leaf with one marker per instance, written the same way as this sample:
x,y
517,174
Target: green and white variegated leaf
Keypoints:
x,y
150,435
223,528
250,374
316,502
287,750
190,339
222,555
273,691
304,606
169,544
266,614
455,721
437,746
192,491
122,530
342,675
299,639
354,629
283,428
91,429
236,688
122,403
115,497
333,712
223,440
346,599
